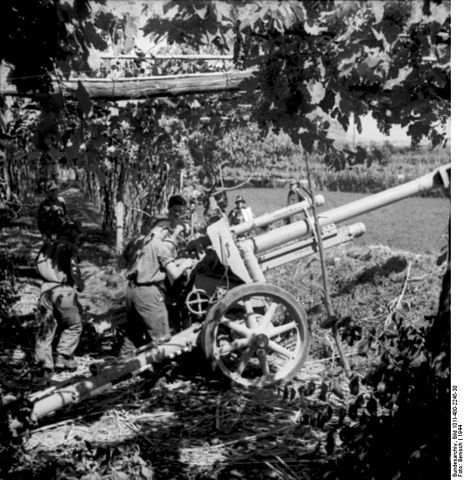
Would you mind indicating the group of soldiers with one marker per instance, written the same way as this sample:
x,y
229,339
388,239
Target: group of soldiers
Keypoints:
x,y
151,262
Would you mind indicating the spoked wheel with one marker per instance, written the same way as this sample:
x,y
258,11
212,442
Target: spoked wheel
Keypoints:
x,y
257,334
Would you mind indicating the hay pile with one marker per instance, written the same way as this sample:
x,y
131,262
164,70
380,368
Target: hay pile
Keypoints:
x,y
183,421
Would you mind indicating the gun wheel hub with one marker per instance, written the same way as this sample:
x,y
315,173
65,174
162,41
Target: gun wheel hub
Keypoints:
x,y
257,335
261,340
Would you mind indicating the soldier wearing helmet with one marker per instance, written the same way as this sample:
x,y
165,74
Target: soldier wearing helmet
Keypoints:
x,y
295,195
240,213
52,213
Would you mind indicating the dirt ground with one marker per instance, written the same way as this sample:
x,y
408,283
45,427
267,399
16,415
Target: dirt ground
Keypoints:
x,y
184,421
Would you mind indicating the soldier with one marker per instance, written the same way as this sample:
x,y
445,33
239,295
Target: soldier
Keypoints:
x,y
52,213
177,209
295,195
57,264
241,213
215,205
150,260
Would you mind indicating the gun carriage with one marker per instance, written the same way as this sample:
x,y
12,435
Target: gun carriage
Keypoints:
x,y
256,333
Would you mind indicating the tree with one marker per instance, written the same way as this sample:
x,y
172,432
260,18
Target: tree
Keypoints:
x,y
46,37
315,62
328,59
39,40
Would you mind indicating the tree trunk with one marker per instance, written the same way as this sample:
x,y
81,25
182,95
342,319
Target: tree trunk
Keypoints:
x,y
6,177
119,210
107,207
119,217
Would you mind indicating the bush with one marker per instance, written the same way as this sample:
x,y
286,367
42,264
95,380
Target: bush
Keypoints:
x,y
399,432
276,160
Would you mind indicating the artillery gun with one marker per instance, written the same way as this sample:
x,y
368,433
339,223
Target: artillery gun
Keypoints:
x,y
256,333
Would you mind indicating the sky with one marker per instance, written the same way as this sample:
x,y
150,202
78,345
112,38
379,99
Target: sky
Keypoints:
x,y
370,133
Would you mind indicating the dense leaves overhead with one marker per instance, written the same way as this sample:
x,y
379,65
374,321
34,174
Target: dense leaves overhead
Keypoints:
x,y
329,59
316,62
196,23
44,37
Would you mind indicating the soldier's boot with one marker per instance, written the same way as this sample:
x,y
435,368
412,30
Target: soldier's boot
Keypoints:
x,y
42,377
65,362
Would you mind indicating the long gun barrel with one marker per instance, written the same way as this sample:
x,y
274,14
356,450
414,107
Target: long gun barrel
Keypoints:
x,y
439,177
282,213
279,236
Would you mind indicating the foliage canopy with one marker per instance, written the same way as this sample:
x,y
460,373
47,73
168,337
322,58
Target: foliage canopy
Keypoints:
x,y
316,62
322,60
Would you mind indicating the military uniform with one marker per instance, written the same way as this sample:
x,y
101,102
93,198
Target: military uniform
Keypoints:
x,y
58,304
295,196
147,316
235,216
51,215
240,213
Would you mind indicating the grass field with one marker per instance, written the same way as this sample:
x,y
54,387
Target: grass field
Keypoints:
x,y
415,224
